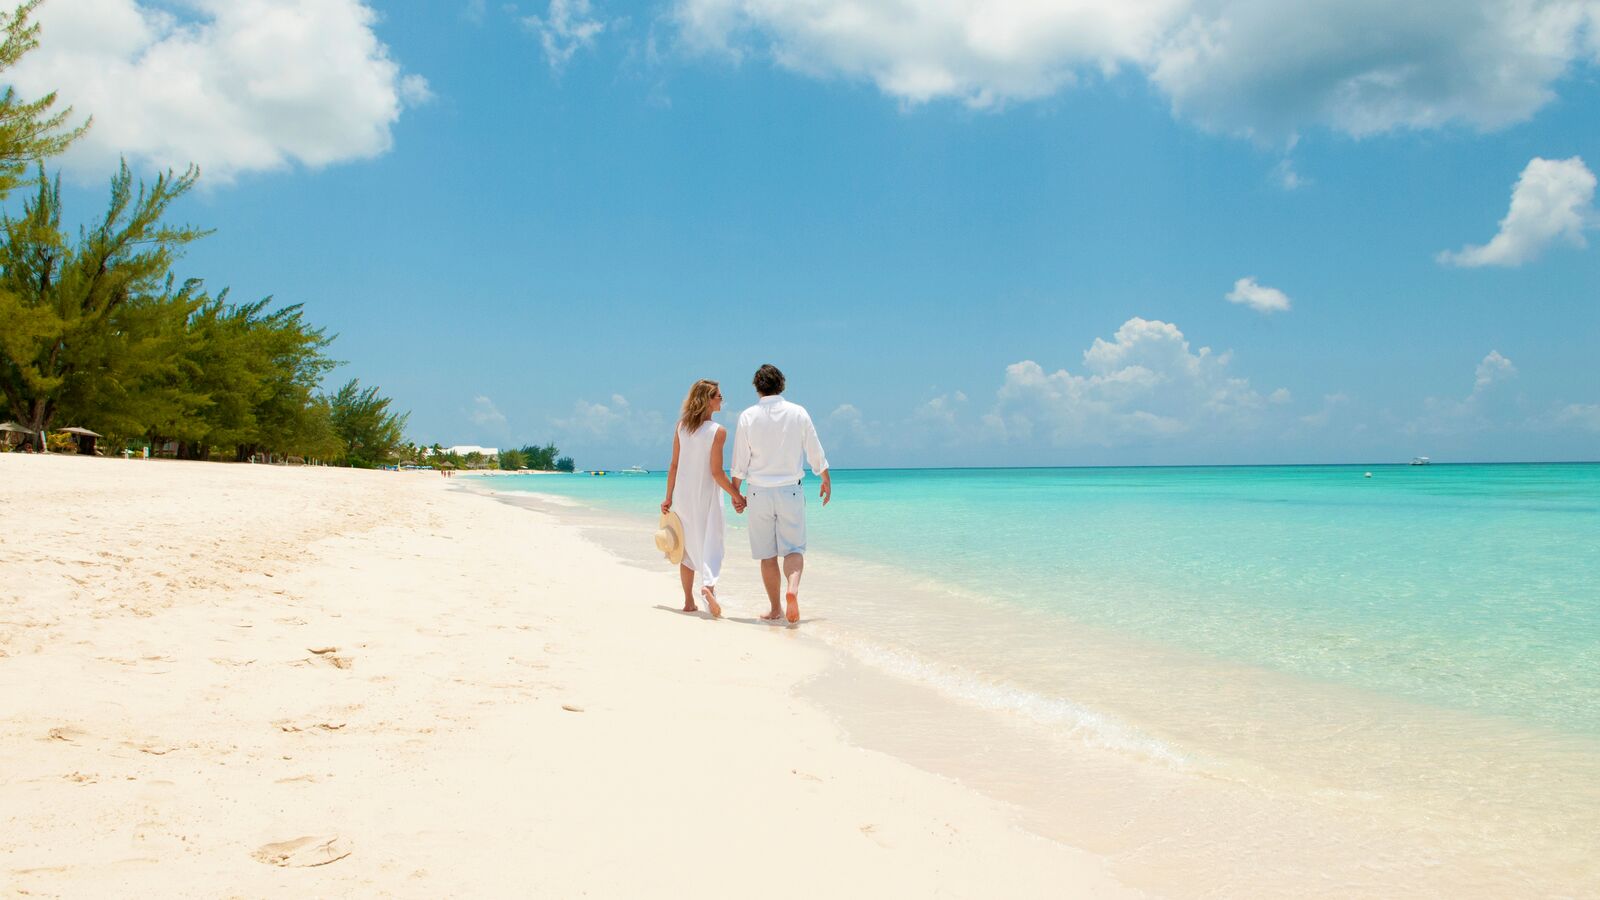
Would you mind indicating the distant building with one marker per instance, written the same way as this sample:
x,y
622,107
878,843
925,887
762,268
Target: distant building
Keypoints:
x,y
464,449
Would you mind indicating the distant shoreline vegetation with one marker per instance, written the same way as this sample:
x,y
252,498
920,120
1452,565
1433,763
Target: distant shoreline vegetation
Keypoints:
x,y
531,457
97,331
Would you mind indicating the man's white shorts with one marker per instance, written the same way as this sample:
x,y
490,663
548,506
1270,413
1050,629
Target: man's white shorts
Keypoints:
x,y
776,518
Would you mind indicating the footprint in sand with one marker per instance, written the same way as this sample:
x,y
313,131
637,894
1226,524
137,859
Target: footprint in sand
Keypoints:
x,y
304,851
326,656
66,733
290,727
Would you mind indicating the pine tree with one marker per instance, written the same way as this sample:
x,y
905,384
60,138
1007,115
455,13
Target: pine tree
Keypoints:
x,y
29,130
73,315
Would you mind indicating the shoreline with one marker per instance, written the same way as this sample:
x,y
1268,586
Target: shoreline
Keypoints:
x,y
1368,817
215,662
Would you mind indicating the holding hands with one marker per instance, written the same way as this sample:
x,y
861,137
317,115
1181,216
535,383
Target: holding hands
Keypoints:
x,y
739,502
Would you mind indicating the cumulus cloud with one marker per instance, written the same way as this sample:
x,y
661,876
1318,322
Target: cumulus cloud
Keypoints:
x,y
848,426
1254,67
1553,201
1330,403
1478,410
1494,368
613,421
1143,384
1583,415
235,85
1285,175
1270,69
485,414
566,27
976,52
1258,297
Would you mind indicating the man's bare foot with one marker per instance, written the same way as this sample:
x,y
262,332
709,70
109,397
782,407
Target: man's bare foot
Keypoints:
x,y
710,595
773,616
688,606
792,600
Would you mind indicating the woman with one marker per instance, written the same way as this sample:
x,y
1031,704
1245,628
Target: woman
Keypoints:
x,y
692,489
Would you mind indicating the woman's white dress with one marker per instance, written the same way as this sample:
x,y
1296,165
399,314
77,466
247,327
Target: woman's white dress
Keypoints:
x,y
697,500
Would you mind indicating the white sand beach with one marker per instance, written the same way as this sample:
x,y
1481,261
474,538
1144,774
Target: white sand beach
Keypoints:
x,y
233,680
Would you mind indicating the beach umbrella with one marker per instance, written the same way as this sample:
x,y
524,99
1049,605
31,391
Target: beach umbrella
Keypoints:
x,y
83,432
14,428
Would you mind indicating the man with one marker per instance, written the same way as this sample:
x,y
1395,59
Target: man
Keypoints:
x,y
773,437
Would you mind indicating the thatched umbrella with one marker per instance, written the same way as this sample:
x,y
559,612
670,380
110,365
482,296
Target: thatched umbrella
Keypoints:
x,y
7,429
85,438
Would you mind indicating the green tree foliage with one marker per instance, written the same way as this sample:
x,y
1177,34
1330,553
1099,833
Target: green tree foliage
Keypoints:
x,y
96,329
94,316
258,371
536,457
565,464
369,435
29,131
512,460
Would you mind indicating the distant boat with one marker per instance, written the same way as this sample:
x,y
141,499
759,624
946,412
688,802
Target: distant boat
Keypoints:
x,y
597,472
635,470
1419,460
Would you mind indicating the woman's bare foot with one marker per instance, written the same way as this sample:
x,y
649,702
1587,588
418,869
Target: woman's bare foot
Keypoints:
x,y
688,606
792,600
710,595
773,616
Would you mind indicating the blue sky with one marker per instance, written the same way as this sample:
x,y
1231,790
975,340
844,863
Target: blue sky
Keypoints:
x,y
995,236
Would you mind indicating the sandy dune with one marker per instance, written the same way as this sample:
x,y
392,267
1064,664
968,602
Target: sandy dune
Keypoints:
x,y
221,680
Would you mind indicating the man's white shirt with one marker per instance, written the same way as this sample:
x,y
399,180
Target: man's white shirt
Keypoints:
x,y
773,437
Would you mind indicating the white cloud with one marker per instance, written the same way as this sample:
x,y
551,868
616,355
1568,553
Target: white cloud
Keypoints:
x,y
1279,397
1494,368
236,86
1552,201
614,421
941,420
1286,177
977,52
474,11
942,410
485,414
1479,410
1264,68
1321,417
847,425
1271,69
1583,415
1258,297
1146,383
566,27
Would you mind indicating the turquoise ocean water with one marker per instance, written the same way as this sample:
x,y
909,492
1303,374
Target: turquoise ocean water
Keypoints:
x,y
1470,586
1394,680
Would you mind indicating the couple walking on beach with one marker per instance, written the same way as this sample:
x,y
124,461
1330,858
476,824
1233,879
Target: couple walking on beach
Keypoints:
x,y
774,436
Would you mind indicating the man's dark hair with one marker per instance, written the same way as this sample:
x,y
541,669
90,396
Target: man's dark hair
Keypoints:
x,y
768,380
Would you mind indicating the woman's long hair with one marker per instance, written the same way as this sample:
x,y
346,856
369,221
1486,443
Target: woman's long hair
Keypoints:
x,y
697,406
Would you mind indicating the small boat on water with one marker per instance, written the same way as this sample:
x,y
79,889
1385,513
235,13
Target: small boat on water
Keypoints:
x,y
1419,460
635,470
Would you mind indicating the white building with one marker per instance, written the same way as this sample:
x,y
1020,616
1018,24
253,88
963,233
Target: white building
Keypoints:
x,y
464,449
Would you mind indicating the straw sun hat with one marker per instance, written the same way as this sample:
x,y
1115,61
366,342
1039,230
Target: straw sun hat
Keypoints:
x,y
669,537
